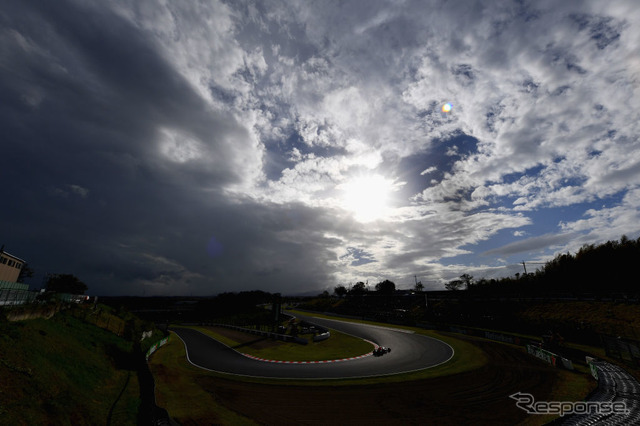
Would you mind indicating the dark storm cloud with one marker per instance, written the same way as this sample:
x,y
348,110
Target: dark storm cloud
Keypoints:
x,y
196,147
86,101
104,93
255,246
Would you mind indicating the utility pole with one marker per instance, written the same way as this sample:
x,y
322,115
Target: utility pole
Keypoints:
x,y
534,263
418,287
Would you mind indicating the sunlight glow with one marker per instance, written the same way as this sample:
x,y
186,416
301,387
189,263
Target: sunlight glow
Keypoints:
x,y
367,197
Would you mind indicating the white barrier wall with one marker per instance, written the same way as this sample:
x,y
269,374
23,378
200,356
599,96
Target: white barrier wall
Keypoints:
x,y
157,346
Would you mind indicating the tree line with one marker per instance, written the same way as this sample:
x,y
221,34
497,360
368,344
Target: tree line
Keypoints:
x,y
383,287
603,268
59,283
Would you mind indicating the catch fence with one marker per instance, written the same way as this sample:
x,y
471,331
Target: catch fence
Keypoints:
x,y
12,293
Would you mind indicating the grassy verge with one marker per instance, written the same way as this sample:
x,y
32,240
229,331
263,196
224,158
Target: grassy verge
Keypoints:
x,y
467,357
618,319
570,386
65,371
179,383
179,392
338,346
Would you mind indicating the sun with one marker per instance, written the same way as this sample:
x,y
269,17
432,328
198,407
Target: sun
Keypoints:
x,y
367,197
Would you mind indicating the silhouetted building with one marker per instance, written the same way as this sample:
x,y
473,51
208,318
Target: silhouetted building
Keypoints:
x,y
10,266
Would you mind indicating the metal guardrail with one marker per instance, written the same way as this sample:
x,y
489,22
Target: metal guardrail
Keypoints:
x,y
278,336
614,385
157,346
322,336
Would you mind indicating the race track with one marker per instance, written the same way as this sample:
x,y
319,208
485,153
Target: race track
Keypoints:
x,y
410,352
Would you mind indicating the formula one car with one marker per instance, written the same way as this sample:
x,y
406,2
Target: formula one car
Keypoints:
x,y
381,350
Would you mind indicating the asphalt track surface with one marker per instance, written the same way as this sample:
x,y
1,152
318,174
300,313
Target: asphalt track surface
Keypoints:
x,y
409,352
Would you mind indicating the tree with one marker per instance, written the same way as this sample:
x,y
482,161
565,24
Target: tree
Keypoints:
x,y
419,287
454,285
25,272
385,287
340,290
358,288
66,283
467,280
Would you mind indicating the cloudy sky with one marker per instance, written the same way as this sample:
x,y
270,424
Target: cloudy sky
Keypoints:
x,y
182,147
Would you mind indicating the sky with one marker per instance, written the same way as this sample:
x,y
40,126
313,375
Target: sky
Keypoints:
x,y
156,147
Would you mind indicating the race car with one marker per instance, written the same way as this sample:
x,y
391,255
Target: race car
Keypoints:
x,y
381,350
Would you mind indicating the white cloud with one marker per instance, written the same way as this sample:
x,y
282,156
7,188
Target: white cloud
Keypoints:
x,y
609,223
179,148
556,95
540,88
275,106
428,170
198,38
79,190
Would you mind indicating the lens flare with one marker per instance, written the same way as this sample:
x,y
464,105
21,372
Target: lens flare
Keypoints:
x,y
447,107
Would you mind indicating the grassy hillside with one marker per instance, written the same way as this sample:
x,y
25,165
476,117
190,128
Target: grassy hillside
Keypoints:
x,y
65,370
620,319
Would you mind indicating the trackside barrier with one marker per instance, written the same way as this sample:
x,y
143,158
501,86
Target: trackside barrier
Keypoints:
x,y
550,357
532,348
278,336
158,415
491,335
322,332
592,366
499,337
566,363
157,346
615,385
15,293
321,337
542,354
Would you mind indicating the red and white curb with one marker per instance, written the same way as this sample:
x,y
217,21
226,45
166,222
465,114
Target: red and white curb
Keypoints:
x,y
312,362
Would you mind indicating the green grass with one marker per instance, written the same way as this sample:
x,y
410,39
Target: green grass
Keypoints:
x,y
467,357
571,386
177,387
338,346
64,371
179,383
